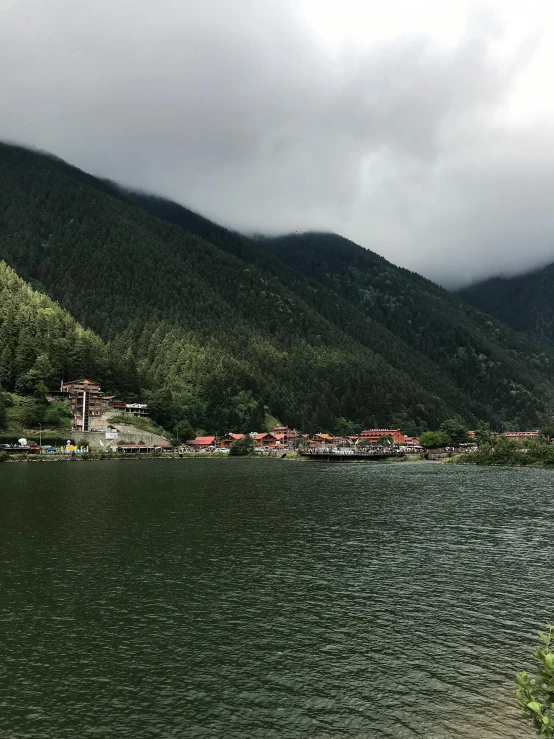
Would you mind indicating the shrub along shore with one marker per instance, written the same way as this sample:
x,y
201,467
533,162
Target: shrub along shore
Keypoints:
x,y
499,451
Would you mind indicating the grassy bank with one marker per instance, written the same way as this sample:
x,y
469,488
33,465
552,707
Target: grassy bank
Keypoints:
x,y
141,424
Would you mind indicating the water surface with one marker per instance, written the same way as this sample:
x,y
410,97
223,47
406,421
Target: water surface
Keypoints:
x,y
259,599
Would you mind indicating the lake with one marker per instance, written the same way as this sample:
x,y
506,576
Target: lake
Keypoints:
x,y
269,599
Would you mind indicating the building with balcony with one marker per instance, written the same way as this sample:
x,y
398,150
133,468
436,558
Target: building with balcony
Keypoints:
x,y
85,402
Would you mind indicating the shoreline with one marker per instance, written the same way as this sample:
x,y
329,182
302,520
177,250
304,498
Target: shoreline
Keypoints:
x,y
290,457
463,460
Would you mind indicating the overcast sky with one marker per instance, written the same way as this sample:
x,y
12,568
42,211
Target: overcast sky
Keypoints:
x,y
421,129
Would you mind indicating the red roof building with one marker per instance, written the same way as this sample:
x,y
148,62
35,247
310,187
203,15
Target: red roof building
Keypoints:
x,y
372,435
268,440
228,439
520,435
202,442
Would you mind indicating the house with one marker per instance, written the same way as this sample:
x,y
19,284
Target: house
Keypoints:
x,y
136,409
286,435
372,435
80,386
265,439
322,438
290,434
85,401
520,435
202,442
228,440
57,395
116,404
411,441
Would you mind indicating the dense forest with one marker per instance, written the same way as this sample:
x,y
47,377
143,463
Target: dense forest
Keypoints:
x,y
487,361
217,329
525,302
40,342
40,345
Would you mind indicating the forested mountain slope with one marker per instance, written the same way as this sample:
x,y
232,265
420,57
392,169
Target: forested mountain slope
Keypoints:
x,y
525,302
40,341
220,330
407,319
483,358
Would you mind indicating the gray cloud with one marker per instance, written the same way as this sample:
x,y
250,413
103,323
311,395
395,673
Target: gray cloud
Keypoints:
x,y
239,111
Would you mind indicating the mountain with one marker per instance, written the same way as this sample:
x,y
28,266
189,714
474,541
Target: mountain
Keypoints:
x,y
525,302
219,329
451,346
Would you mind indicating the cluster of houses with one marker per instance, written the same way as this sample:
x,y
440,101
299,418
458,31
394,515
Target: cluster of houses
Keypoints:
x,y
88,405
282,437
513,435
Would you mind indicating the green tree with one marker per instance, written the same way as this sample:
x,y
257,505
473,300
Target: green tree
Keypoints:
x,y
385,440
242,447
434,439
28,383
535,693
482,437
57,415
547,432
31,413
343,427
2,411
184,431
456,431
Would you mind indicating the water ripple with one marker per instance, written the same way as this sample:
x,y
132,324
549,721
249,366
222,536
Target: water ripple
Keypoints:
x,y
251,599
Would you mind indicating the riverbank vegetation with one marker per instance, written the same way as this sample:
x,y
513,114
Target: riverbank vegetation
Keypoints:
x,y
497,450
452,432
535,693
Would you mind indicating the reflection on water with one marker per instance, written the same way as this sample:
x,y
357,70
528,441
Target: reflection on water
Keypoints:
x,y
241,598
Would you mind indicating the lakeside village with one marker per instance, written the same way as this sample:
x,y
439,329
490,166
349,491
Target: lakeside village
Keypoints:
x,y
91,411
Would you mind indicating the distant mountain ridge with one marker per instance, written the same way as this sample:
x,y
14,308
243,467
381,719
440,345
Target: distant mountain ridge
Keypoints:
x,y
525,302
219,328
